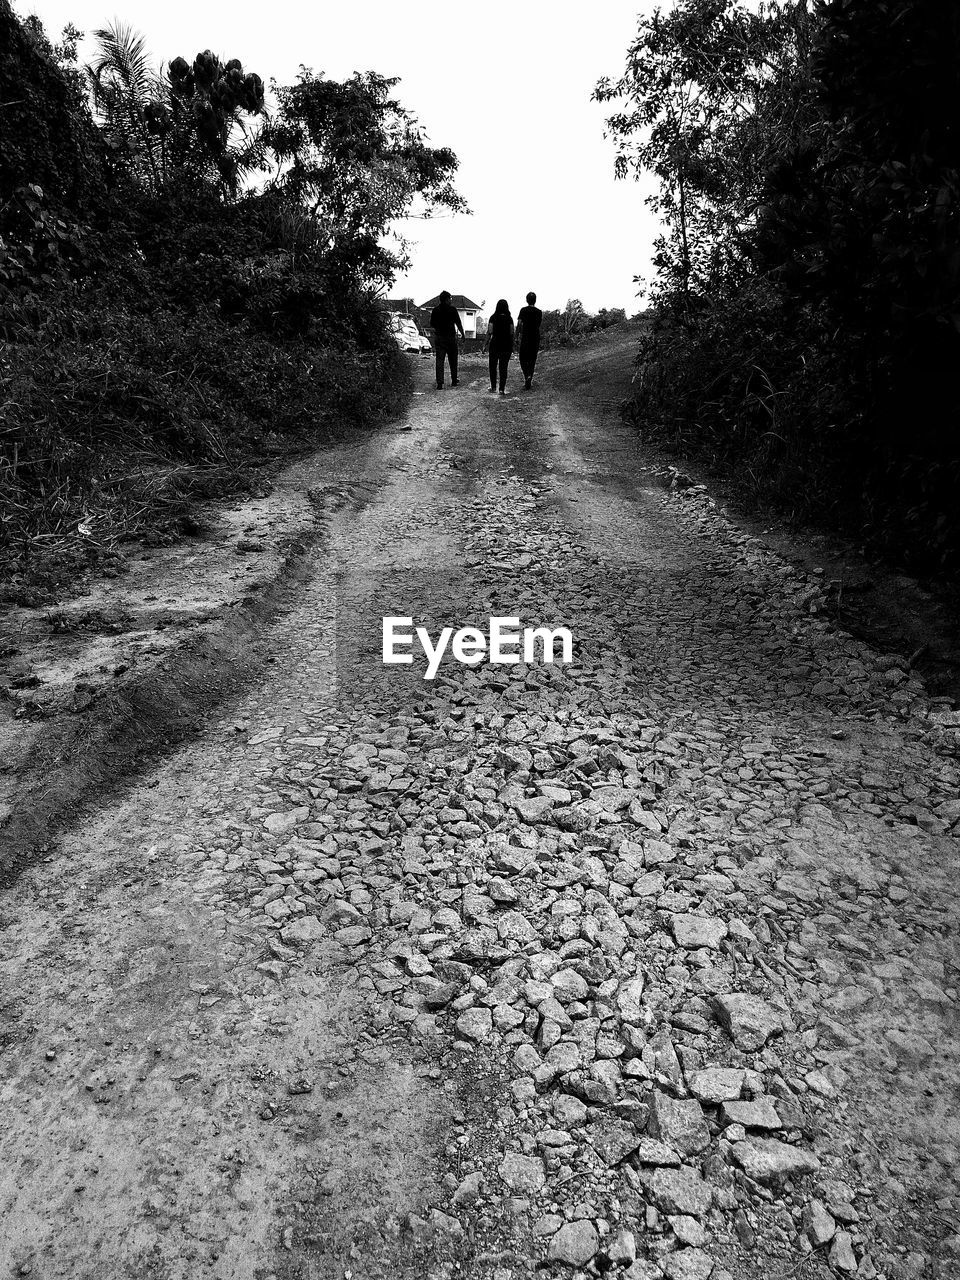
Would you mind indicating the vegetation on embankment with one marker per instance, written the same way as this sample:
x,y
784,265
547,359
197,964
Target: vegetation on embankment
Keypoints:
x,y
806,318
187,283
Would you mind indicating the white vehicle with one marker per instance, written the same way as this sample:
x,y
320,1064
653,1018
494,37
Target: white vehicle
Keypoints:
x,y
408,336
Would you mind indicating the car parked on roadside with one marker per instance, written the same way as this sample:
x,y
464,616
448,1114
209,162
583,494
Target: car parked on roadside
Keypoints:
x,y
408,336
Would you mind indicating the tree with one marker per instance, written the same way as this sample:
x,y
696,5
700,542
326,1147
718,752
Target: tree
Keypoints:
x,y
189,123
807,299
704,110
123,85
205,119
359,162
572,319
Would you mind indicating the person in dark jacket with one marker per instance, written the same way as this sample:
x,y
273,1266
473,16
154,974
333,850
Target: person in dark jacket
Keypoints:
x,y
500,344
529,319
445,322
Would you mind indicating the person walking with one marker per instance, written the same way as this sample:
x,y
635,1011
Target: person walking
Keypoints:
x,y
500,344
529,319
445,322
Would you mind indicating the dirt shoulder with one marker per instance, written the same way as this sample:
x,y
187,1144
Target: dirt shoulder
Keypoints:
x,y
892,611
131,663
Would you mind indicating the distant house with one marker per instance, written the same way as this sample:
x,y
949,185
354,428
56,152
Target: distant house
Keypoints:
x,y
469,311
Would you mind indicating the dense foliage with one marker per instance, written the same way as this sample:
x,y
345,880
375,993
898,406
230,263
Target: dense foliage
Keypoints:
x,y
166,324
807,292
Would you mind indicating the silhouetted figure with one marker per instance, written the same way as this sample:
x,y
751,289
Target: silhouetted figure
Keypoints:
x,y
529,320
500,343
445,322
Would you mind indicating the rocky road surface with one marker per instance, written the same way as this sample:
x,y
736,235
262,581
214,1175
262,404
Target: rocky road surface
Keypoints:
x,y
642,966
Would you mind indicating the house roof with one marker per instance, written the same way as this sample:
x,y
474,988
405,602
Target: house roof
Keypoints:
x,y
397,304
460,301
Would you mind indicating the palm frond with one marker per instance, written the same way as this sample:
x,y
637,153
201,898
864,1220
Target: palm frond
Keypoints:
x,y
122,57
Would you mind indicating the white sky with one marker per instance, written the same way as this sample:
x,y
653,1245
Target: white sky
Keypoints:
x,y
505,83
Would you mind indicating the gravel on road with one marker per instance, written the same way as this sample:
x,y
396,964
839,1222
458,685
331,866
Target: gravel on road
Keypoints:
x,y
643,965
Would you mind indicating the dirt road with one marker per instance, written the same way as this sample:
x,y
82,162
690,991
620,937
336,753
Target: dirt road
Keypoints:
x,y
643,965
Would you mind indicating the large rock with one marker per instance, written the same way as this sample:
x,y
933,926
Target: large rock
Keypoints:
x,y
910,1050
437,994
468,1190
679,1191
278,823
569,1111
643,1270
352,935
534,809
749,1020
575,1243
768,1160
603,1082
622,1248
679,1123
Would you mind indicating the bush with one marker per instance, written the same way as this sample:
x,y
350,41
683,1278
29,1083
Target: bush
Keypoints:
x,y
164,335
113,417
808,281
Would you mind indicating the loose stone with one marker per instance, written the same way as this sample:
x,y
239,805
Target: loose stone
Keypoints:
x,y
749,1020
767,1160
575,1243
841,1256
680,1191
692,931
523,1174
475,1024
679,1123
